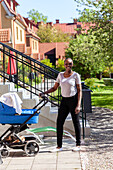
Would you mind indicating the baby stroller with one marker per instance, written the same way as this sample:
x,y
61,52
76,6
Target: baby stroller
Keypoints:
x,y
10,138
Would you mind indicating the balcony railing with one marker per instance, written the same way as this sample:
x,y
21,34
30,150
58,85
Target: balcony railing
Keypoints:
x,y
5,35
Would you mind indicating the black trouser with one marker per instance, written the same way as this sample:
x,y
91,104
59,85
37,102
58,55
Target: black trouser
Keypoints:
x,y
68,104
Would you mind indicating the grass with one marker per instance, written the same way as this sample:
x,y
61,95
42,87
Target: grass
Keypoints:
x,y
102,95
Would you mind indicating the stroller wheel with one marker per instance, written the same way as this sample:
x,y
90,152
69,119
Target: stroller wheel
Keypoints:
x,y
4,152
31,148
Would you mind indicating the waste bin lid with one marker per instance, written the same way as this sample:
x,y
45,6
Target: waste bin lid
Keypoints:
x,y
86,90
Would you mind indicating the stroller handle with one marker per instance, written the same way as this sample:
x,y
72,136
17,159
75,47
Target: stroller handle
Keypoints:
x,y
48,100
44,97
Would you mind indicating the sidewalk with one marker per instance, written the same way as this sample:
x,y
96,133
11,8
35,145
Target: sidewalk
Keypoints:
x,y
45,160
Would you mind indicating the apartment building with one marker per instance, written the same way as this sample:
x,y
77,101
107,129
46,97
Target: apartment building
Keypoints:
x,y
15,32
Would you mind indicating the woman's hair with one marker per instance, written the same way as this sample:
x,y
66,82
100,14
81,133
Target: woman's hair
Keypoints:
x,y
68,59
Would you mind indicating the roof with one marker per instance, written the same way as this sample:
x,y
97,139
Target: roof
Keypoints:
x,y
70,27
66,27
8,6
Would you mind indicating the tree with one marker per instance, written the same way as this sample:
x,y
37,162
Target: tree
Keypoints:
x,y
101,14
87,56
36,16
49,34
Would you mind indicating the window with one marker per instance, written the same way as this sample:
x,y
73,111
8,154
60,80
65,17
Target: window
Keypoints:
x,y
27,41
20,35
17,33
35,45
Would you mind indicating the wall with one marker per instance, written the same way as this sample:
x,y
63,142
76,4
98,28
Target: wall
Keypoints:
x,y
5,22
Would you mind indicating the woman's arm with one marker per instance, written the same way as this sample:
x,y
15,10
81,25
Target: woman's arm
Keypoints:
x,y
54,88
79,91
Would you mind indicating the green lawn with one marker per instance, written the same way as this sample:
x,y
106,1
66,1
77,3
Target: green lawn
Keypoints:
x,y
102,96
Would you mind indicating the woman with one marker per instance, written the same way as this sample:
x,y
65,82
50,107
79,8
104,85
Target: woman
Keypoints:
x,y
70,83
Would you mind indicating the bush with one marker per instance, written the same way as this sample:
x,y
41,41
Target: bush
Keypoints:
x,y
47,62
106,72
108,81
60,65
90,82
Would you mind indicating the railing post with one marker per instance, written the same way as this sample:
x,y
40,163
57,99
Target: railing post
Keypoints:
x,y
4,64
30,81
16,81
10,76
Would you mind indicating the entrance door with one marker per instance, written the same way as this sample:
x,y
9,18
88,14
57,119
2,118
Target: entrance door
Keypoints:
x,y
52,56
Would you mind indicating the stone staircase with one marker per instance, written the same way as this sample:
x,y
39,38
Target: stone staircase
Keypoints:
x,y
27,103
48,114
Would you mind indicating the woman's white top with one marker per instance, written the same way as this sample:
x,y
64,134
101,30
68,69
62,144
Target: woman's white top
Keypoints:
x,y
68,84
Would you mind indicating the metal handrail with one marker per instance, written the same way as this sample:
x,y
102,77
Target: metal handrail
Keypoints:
x,y
44,76
28,57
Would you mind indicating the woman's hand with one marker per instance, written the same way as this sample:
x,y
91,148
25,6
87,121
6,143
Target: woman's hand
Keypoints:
x,y
41,94
77,110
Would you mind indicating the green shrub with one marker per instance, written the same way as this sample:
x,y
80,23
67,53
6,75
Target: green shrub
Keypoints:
x,y
47,62
60,65
106,72
108,81
90,82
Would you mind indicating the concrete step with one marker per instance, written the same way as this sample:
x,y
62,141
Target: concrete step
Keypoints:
x,y
4,89
48,117
29,103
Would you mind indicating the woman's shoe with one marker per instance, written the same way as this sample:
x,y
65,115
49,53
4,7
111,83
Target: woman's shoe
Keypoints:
x,y
77,148
57,150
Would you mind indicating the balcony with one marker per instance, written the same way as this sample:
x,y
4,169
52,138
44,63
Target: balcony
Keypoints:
x,y
20,47
5,35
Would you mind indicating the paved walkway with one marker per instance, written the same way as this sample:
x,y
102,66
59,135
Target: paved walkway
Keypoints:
x,y
45,160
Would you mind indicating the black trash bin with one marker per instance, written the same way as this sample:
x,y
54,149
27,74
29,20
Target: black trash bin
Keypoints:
x,y
86,97
86,104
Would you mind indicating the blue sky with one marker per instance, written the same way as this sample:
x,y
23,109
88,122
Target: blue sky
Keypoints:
x,y
64,10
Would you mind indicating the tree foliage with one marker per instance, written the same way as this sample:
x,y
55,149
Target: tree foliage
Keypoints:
x,y
47,62
36,16
87,56
101,14
60,65
49,34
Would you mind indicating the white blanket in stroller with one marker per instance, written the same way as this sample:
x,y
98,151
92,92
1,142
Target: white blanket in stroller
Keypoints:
x,y
13,100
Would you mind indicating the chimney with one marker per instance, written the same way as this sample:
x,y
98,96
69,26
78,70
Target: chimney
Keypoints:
x,y
39,23
57,21
75,21
50,23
